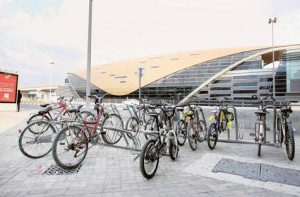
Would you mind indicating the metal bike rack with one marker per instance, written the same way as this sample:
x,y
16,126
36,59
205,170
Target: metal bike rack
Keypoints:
x,y
203,117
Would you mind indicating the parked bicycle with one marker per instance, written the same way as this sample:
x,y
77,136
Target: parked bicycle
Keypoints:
x,y
285,129
221,122
165,140
71,144
35,140
190,126
260,128
55,111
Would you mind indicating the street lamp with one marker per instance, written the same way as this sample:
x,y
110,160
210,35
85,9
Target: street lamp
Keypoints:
x,y
50,64
89,51
140,74
272,21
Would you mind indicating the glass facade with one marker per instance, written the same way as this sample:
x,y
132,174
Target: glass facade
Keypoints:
x,y
246,79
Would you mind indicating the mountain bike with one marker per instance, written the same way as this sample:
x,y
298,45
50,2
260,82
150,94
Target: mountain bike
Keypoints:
x,y
71,144
165,140
285,129
222,120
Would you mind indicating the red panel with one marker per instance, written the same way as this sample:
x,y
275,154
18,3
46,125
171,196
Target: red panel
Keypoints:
x,y
8,88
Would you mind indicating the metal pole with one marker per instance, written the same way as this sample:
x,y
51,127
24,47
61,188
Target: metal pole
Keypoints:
x,y
51,63
140,79
88,70
273,55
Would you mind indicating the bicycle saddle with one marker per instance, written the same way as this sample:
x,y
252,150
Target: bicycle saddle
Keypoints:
x,y
153,114
75,110
261,113
286,110
42,112
44,105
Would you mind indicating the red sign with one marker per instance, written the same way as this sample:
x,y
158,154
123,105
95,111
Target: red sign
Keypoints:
x,y
8,87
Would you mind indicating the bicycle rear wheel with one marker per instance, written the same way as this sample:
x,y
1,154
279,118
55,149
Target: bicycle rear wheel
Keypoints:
x,y
259,149
201,131
149,159
36,139
132,125
212,137
70,147
173,150
289,142
192,136
181,132
111,136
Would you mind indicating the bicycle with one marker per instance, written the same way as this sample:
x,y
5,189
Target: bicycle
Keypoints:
x,y
260,127
222,121
54,112
285,129
165,140
190,126
138,118
35,140
71,144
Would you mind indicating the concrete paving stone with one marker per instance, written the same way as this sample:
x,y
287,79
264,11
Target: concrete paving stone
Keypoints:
x,y
130,187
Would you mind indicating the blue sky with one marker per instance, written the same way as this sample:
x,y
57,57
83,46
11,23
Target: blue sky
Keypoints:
x,y
36,32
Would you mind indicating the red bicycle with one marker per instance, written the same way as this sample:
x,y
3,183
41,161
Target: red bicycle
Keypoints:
x,y
71,144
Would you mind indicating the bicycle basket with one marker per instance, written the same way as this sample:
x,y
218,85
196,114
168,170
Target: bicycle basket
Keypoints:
x,y
229,116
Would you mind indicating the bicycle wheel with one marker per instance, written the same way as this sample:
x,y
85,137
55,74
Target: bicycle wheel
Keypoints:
x,y
87,115
200,131
289,142
149,159
36,139
70,147
181,132
279,130
37,117
173,150
192,136
132,125
111,136
259,149
212,137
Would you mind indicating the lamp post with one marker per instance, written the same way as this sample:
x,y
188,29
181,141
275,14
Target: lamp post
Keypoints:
x,y
89,49
272,21
50,64
140,74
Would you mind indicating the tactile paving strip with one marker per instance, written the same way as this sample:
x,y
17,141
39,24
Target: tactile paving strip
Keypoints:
x,y
56,170
260,172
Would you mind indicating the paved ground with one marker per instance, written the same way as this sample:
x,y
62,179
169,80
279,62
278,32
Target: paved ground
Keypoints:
x,y
112,172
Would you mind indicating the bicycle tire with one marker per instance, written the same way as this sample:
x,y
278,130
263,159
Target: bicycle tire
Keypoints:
x,y
149,155
110,136
201,131
132,125
259,149
279,131
173,150
87,115
181,132
40,135
67,144
192,138
37,117
212,137
289,142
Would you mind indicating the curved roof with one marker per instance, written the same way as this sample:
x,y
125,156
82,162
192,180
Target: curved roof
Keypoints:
x,y
120,78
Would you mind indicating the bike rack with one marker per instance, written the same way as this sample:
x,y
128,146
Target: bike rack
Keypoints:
x,y
203,117
115,109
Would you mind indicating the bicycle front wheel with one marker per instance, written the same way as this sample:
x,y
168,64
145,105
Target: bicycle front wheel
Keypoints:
x,y
201,131
36,139
111,122
181,132
212,137
70,147
149,159
289,142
